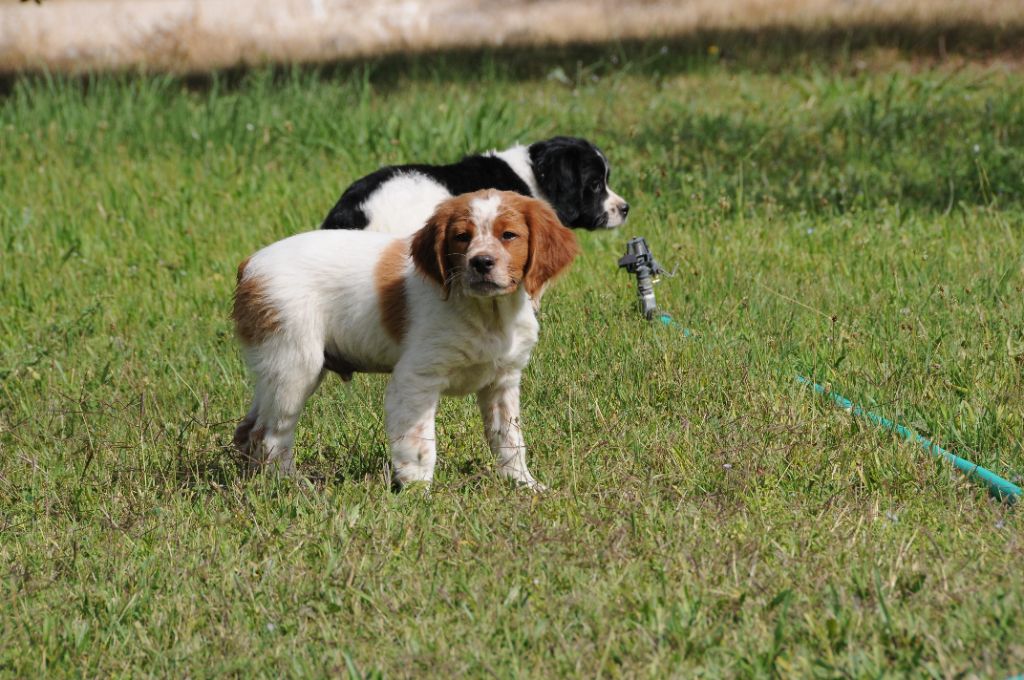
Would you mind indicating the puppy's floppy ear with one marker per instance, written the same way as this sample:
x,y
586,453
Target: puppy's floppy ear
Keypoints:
x,y
552,245
428,246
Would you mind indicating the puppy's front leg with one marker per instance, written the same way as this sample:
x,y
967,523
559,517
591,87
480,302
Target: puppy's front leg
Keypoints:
x,y
499,407
410,405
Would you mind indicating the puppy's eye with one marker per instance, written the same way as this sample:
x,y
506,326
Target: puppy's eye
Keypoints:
x,y
464,237
509,235
595,187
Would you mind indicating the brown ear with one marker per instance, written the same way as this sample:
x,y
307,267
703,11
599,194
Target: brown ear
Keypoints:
x,y
552,246
428,247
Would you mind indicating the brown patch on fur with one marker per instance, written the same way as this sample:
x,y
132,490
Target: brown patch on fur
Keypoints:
x,y
241,270
389,276
243,432
428,246
433,251
255,452
552,246
511,221
248,441
255,317
546,252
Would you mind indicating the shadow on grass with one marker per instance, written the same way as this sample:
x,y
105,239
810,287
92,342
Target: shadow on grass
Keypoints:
x,y
775,49
336,465
329,466
219,466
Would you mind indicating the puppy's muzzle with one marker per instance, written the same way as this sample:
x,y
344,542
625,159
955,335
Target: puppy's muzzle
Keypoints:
x,y
616,209
484,278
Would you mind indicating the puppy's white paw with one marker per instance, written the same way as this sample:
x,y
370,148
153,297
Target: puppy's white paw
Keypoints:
x,y
537,487
528,483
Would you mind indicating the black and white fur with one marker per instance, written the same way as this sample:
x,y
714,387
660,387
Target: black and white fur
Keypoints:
x,y
569,173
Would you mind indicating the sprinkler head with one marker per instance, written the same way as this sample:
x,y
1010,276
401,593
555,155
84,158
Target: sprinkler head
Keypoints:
x,y
639,261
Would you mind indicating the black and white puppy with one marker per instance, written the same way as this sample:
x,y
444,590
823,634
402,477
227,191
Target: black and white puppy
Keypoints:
x,y
571,174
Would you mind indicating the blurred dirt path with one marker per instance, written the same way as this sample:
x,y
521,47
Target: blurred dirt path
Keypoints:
x,y
197,35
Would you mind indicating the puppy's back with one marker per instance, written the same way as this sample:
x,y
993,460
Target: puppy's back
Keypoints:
x,y
303,284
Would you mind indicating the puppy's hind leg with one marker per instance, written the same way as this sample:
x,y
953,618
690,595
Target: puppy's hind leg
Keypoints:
x,y
281,392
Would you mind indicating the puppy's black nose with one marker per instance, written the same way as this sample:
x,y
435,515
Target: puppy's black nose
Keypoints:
x,y
482,263
624,209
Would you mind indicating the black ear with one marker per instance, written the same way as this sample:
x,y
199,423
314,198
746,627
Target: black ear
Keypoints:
x,y
556,167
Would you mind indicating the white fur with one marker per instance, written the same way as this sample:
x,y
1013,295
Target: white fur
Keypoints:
x,y
322,285
485,210
613,206
518,158
402,204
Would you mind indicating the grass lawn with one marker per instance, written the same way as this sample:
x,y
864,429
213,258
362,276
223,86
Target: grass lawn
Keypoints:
x,y
852,216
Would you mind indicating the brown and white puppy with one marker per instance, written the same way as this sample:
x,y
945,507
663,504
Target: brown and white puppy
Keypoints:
x,y
445,311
